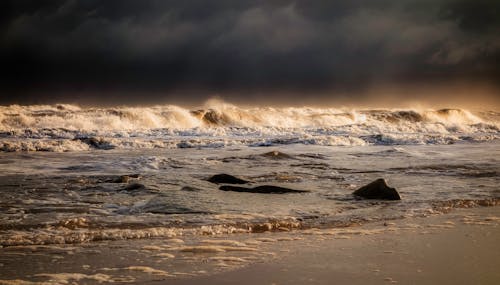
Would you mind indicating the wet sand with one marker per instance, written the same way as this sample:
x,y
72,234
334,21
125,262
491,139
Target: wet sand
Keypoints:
x,y
460,247
457,248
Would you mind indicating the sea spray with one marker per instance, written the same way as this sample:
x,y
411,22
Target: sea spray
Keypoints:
x,y
219,124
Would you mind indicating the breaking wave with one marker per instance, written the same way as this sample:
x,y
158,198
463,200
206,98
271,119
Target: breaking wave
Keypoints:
x,y
218,124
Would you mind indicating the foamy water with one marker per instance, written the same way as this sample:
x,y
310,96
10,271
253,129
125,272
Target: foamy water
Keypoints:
x,y
80,197
218,124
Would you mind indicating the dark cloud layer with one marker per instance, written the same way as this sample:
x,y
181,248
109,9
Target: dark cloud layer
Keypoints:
x,y
146,50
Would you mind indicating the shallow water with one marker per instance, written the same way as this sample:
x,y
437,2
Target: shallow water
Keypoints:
x,y
80,196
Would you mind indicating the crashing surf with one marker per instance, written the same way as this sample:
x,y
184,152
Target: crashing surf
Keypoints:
x,y
59,128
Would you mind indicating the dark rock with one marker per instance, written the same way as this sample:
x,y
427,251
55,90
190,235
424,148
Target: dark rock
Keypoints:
x,y
120,179
378,189
134,186
226,179
264,189
184,144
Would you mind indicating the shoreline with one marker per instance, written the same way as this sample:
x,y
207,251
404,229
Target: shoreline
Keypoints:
x,y
460,247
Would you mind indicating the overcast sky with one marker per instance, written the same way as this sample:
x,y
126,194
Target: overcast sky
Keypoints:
x,y
168,51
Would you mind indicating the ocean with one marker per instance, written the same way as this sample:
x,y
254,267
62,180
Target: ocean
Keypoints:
x,y
77,179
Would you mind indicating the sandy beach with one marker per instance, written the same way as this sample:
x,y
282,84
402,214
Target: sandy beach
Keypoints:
x,y
460,247
456,248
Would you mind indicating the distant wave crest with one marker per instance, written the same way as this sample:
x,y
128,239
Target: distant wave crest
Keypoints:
x,y
218,124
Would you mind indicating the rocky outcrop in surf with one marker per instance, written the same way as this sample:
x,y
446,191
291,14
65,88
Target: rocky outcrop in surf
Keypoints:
x,y
377,189
263,189
226,179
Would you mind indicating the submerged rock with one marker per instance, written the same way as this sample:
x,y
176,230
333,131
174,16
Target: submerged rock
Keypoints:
x,y
226,179
276,155
264,189
190,189
124,178
378,189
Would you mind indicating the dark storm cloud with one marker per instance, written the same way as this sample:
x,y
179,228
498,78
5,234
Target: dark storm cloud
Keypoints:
x,y
151,47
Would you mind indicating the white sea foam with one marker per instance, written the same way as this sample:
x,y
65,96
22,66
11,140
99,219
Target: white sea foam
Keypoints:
x,y
218,124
